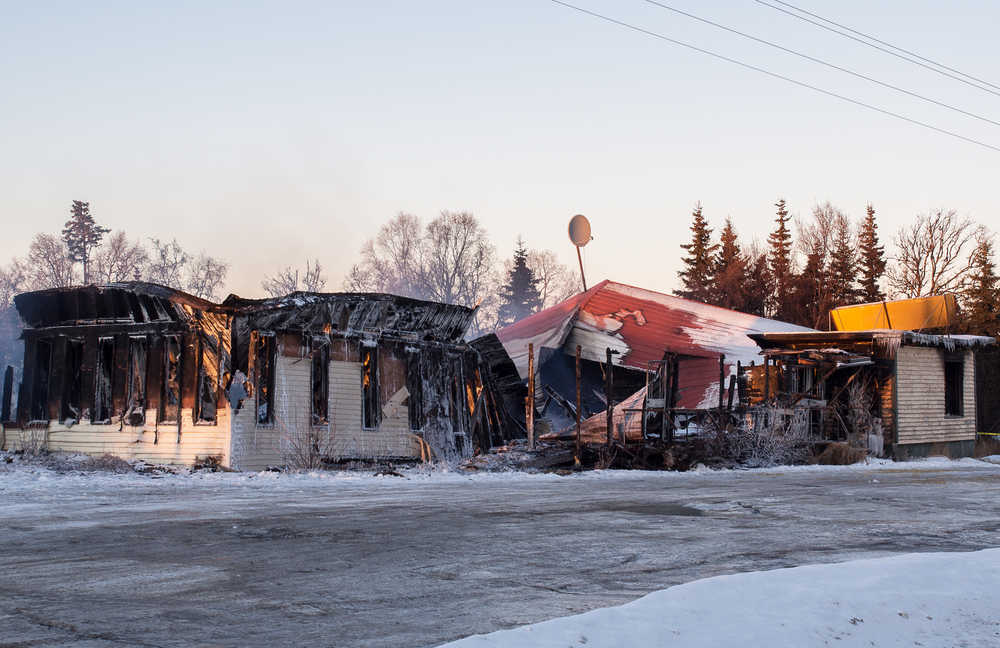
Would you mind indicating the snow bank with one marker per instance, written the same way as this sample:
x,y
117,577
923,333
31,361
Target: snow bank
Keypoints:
x,y
27,476
930,599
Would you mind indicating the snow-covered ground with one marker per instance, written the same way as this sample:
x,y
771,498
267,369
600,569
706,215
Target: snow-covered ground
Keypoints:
x,y
21,475
929,599
356,559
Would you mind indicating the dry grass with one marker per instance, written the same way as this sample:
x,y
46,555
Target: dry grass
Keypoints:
x,y
305,449
840,454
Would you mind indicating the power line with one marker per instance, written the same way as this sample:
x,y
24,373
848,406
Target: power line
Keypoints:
x,y
882,42
942,72
776,75
859,75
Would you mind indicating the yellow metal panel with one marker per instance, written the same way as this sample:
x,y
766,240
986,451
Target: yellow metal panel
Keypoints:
x,y
904,314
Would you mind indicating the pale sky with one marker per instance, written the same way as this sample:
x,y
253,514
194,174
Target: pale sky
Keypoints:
x,y
272,132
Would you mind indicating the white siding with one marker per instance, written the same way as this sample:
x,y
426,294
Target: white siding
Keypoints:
x,y
256,447
920,398
149,442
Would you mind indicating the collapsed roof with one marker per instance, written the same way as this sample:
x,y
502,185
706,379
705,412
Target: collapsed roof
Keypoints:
x,y
641,325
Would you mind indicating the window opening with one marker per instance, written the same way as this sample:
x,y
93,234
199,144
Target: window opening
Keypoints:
x,y
136,412
104,380
954,388
369,388
264,367
415,386
40,381
72,402
320,380
457,398
208,378
170,407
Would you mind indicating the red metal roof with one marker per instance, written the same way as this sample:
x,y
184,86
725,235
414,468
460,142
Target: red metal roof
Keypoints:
x,y
641,324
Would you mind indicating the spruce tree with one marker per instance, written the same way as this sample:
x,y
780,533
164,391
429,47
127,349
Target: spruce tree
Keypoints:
x,y
780,261
82,235
981,296
699,264
810,292
871,258
759,286
843,264
519,297
730,273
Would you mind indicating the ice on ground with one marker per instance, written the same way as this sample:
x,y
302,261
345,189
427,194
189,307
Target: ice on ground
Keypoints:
x,y
928,599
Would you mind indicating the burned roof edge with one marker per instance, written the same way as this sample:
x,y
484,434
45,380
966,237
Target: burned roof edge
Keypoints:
x,y
776,339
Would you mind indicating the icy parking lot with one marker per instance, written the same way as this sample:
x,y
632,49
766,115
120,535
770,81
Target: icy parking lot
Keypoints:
x,y
349,560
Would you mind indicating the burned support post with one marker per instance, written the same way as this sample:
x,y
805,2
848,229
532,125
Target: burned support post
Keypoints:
x,y
576,457
608,386
675,389
645,402
722,377
529,413
8,391
767,379
665,392
734,382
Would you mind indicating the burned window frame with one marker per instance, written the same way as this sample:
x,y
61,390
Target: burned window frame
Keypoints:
x,y
415,388
369,387
319,381
177,365
205,383
104,381
72,393
138,377
41,379
954,385
266,348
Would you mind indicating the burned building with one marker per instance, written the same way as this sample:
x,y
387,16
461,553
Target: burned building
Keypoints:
x,y
136,370
927,393
146,372
379,376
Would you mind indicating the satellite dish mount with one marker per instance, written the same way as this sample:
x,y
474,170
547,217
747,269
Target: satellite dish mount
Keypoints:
x,y
579,234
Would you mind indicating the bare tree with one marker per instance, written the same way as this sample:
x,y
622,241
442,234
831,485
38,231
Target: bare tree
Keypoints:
x,y
13,280
170,265
451,260
49,263
458,259
287,281
167,263
932,254
816,236
313,279
392,261
556,281
119,259
205,276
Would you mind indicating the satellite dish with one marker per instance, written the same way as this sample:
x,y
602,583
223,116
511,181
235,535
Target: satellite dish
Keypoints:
x,y
579,230
579,234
